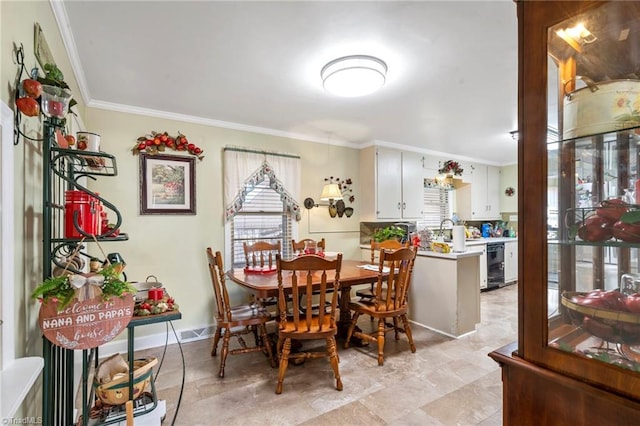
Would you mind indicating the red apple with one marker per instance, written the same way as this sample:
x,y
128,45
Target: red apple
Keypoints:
x,y
594,302
615,300
28,106
32,88
612,209
627,232
70,140
632,303
595,228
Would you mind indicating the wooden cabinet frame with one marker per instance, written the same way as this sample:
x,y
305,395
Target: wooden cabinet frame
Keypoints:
x,y
578,385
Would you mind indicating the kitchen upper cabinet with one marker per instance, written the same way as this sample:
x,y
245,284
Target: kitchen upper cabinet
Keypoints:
x,y
479,199
398,180
510,261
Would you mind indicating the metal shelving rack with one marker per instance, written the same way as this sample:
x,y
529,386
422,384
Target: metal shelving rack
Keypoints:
x,y
63,169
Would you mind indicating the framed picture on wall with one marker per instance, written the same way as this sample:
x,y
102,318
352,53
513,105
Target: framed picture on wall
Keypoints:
x,y
167,184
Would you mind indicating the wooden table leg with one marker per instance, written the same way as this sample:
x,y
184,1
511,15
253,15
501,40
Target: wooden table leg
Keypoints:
x,y
345,318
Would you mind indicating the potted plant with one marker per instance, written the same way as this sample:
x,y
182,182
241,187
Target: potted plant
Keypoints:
x,y
390,232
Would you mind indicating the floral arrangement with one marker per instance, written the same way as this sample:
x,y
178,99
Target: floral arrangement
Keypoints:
x,y
155,307
344,185
450,167
63,289
158,142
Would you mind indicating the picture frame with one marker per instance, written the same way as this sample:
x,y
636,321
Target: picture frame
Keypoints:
x,y
41,48
167,184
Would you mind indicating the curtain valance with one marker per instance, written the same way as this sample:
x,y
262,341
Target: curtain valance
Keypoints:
x,y
245,168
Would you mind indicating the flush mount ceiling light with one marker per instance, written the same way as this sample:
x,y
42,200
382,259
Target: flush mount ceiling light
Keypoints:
x,y
355,75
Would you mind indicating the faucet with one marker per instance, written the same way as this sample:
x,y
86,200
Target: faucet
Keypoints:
x,y
442,225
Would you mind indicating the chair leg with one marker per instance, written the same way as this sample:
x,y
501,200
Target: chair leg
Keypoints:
x,y
216,339
381,328
284,363
352,326
395,328
334,360
225,351
407,330
267,344
256,335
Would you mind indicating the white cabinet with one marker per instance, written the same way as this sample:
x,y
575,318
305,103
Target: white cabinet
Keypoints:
x,y
398,180
510,261
480,199
482,248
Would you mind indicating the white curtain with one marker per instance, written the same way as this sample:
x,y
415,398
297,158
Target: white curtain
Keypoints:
x,y
243,168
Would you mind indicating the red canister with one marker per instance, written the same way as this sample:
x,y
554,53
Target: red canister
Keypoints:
x,y
85,207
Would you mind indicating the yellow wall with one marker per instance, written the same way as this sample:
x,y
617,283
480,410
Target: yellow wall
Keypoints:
x,y
18,18
17,27
172,247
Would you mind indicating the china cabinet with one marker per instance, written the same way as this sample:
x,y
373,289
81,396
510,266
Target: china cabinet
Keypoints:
x,y
480,199
398,179
577,358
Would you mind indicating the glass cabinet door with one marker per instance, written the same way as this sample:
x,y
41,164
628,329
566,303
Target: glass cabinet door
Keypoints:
x,y
593,185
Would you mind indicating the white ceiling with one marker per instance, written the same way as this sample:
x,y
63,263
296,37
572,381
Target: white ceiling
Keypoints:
x,y
451,85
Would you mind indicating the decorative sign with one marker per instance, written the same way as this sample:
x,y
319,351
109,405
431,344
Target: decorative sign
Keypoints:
x,y
87,324
41,48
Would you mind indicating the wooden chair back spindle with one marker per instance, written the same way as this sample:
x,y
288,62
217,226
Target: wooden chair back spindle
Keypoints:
x,y
261,254
298,246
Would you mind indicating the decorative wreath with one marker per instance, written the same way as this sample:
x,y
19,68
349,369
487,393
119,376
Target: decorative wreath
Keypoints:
x,y
509,191
451,167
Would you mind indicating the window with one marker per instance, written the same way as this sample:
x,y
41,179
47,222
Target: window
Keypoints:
x,y
262,217
436,206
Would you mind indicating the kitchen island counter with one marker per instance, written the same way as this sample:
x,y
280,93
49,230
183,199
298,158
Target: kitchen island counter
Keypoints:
x,y
444,295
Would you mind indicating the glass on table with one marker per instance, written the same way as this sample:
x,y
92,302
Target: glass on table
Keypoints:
x,y
310,247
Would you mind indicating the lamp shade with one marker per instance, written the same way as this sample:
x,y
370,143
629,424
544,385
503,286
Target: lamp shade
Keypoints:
x,y
331,191
355,75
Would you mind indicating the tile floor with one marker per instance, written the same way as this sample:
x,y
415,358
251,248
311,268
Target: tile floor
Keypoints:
x,y
446,382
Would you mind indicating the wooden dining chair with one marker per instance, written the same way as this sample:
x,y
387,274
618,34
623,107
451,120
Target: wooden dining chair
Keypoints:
x,y
368,293
298,249
235,321
298,246
389,304
299,278
261,255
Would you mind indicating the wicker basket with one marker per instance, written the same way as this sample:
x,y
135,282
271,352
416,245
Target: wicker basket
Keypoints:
x,y
612,326
116,392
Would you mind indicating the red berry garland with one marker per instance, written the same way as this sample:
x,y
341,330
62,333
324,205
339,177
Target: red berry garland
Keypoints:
x,y
158,142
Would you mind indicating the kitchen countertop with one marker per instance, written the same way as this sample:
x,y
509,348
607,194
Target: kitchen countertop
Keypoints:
x,y
478,241
458,255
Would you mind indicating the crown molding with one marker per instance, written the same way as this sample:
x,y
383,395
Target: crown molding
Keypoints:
x,y
62,19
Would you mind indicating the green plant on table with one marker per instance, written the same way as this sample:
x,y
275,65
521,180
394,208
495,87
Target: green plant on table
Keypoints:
x,y
391,232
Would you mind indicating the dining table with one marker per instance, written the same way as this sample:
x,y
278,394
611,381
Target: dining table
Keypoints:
x,y
264,284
